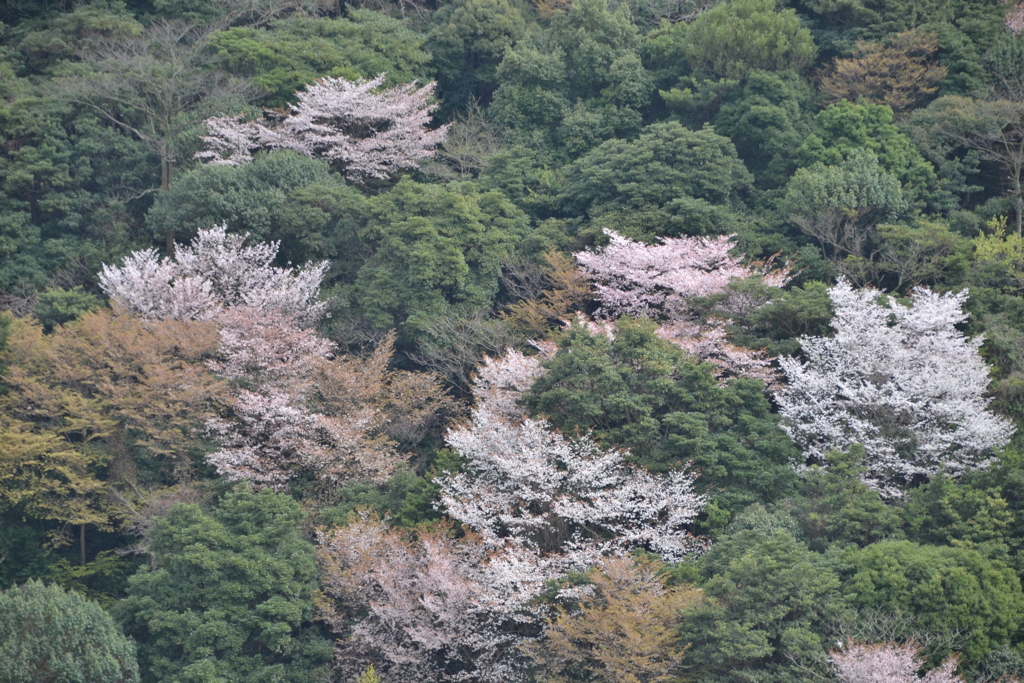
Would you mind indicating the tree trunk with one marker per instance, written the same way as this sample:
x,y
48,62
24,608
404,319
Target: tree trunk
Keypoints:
x,y
165,184
81,542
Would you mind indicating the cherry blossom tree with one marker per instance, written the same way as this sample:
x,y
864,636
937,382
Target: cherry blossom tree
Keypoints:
x,y
371,131
889,663
429,606
900,380
655,281
569,501
302,410
217,271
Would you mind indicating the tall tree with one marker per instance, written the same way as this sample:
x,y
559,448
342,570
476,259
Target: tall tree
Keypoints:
x,y
900,380
156,86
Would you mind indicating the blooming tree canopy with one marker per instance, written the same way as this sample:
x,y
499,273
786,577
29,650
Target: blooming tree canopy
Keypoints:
x,y
216,272
639,279
568,501
900,380
371,131
889,663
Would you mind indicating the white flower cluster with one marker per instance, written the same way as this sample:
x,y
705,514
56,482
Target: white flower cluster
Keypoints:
x,y
900,380
371,131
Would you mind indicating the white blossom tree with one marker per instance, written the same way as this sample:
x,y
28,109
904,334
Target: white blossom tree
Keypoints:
x,y
371,131
900,380
214,273
656,281
534,505
569,501
889,663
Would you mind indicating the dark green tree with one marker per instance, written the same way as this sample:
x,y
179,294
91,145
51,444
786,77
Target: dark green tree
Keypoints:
x,y
280,196
576,83
668,182
640,392
435,248
291,53
467,42
845,128
227,595
768,605
835,506
740,36
48,635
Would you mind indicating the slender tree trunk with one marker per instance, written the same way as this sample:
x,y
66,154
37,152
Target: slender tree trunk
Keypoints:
x,y
81,542
165,184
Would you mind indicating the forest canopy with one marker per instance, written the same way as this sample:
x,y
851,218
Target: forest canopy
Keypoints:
x,y
489,341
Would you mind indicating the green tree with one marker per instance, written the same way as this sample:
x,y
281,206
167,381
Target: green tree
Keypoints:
x,y
290,53
60,306
768,605
227,595
467,42
50,636
740,36
768,116
835,506
280,196
949,591
840,205
640,392
434,247
668,182
576,83
845,128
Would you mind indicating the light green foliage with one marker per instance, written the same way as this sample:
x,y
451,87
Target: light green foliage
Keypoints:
x,y
227,595
294,52
467,43
840,205
434,246
949,590
644,394
61,306
369,676
281,196
669,181
769,605
846,128
835,506
576,83
47,634
740,36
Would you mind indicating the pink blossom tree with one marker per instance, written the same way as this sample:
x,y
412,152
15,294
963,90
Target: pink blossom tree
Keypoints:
x,y
900,380
889,663
656,281
371,131
429,608
632,278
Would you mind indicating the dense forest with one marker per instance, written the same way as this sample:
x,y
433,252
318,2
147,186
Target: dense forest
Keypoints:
x,y
631,341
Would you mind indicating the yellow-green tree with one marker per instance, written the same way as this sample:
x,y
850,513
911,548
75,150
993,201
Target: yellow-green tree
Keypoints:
x,y
625,630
